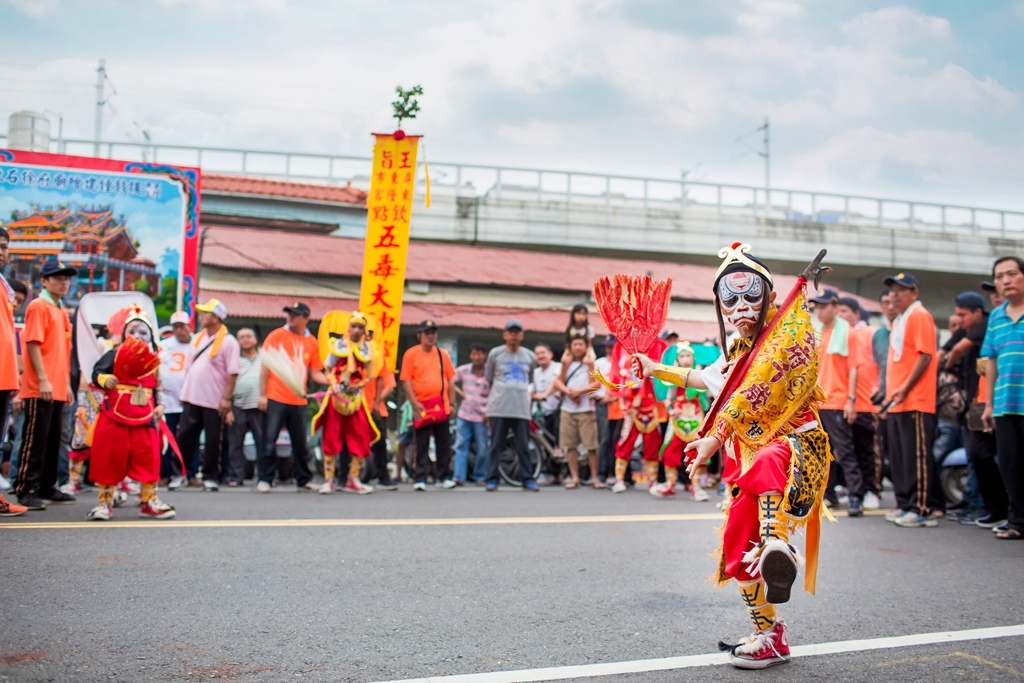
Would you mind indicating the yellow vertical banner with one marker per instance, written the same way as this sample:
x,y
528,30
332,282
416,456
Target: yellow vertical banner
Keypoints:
x,y
388,212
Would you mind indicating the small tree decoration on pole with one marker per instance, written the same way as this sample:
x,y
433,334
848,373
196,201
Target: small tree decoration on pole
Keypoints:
x,y
405,106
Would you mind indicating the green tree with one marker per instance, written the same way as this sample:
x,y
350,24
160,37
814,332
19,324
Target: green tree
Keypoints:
x,y
166,302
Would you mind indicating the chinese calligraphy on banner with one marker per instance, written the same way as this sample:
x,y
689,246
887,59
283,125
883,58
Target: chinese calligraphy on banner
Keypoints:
x,y
388,210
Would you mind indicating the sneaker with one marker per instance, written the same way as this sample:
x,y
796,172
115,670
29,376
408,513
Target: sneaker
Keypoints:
x,y
989,522
871,501
855,509
893,515
912,520
176,483
419,486
130,487
262,487
620,487
100,513
763,649
32,502
157,509
308,486
490,486
1005,526
663,490
69,488
327,487
388,484
531,486
211,485
778,570
5,484
353,485
120,498
8,509
698,494
59,497
449,484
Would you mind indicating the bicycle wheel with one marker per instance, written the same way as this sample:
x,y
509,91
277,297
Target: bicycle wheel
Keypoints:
x,y
508,463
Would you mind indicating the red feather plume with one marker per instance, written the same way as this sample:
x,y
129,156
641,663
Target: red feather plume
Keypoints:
x,y
135,359
634,308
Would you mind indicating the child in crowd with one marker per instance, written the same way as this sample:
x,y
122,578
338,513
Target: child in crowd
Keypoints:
x,y
687,408
579,326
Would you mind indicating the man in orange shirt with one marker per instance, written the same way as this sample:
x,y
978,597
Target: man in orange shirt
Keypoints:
x,y
45,388
284,407
865,445
840,356
8,361
427,373
376,394
911,383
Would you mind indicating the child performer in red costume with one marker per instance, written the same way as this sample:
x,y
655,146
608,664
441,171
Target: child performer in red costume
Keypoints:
x,y
643,415
125,440
686,414
344,415
766,417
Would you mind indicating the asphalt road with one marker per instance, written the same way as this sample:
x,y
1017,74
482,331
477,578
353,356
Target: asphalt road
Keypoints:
x,y
396,585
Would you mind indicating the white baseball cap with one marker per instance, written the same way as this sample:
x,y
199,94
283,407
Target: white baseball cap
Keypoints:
x,y
181,317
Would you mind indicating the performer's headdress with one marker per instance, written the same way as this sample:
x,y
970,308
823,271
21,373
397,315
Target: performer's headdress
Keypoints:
x,y
737,259
683,347
121,319
358,318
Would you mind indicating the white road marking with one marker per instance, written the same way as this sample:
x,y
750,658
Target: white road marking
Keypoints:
x,y
561,673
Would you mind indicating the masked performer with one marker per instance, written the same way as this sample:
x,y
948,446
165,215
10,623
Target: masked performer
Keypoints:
x,y
642,417
765,416
686,413
126,441
348,429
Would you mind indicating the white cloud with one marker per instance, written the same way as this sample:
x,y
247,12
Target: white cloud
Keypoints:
x,y
897,26
37,9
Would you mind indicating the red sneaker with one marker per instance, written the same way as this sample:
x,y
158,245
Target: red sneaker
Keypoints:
x,y
763,649
663,490
156,509
9,509
353,485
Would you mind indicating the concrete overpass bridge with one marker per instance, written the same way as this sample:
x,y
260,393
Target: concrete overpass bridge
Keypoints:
x,y
949,247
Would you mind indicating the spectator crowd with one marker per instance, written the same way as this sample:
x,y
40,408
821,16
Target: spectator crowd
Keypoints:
x,y
897,407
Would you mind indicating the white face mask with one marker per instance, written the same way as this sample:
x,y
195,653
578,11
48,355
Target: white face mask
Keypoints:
x,y
741,297
140,331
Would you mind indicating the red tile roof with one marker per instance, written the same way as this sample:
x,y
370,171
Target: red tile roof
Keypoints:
x,y
447,263
250,305
229,184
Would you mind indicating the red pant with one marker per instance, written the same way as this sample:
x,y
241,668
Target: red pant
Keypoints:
x,y
652,443
769,472
352,431
672,456
120,451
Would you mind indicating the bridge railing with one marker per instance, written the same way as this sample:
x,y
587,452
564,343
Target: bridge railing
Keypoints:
x,y
583,190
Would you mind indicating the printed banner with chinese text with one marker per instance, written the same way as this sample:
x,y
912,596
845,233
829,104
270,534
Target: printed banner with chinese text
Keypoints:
x,y
388,211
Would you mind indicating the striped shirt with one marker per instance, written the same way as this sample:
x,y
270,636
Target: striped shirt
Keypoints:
x,y
476,388
247,387
1004,341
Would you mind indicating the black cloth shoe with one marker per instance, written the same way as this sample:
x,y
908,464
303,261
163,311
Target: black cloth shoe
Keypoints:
x,y
32,502
59,497
986,522
855,509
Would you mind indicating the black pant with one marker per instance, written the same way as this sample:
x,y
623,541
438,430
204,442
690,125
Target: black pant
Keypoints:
x,y
246,420
914,475
840,437
883,466
194,421
865,447
294,419
981,450
606,462
40,448
5,403
442,447
500,427
379,451
1010,441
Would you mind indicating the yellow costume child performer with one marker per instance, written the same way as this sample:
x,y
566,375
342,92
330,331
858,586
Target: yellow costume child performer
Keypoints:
x,y
765,416
348,429
686,412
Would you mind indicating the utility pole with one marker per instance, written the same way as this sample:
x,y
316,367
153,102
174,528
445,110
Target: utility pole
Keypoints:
x,y
766,155
101,79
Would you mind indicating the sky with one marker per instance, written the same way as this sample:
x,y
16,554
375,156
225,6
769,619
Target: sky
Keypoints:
x,y
918,100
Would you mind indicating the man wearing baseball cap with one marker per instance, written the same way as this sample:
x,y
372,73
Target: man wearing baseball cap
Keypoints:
x,y
210,378
174,354
45,388
508,370
911,386
282,402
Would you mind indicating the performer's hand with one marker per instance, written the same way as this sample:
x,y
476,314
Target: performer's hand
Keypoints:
x,y
703,449
988,418
262,404
111,382
158,413
643,366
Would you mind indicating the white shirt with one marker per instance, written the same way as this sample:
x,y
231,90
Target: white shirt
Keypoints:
x,y
173,362
542,379
577,376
